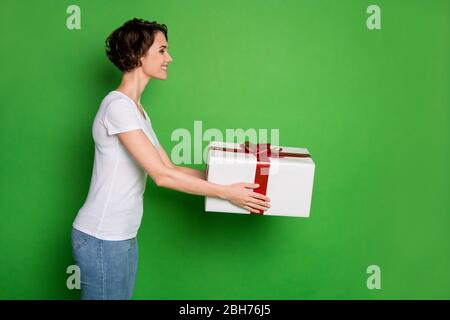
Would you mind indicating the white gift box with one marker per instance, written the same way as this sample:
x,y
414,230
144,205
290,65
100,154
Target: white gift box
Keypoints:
x,y
289,182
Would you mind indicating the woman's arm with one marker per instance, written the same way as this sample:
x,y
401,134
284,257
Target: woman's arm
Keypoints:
x,y
193,172
201,174
145,153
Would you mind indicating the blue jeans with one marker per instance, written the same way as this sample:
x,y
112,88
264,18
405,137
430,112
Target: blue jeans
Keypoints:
x,y
108,268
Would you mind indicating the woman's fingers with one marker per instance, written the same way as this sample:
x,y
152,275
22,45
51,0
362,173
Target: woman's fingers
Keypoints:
x,y
259,196
257,206
255,194
251,209
260,202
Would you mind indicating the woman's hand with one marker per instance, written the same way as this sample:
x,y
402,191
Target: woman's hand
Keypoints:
x,y
242,195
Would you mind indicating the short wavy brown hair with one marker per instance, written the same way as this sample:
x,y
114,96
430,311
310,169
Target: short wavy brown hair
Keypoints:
x,y
126,45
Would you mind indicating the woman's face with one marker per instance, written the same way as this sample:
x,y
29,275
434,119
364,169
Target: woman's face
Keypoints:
x,y
155,61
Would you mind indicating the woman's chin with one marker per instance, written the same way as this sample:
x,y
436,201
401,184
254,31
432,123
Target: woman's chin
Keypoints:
x,y
160,77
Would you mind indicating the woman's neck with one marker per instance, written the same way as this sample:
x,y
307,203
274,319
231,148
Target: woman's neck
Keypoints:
x,y
133,84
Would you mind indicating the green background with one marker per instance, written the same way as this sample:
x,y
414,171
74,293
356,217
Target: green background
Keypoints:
x,y
372,106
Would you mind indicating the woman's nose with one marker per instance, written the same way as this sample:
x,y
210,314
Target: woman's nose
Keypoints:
x,y
169,58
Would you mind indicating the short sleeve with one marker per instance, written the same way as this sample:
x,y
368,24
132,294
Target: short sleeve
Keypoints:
x,y
121,116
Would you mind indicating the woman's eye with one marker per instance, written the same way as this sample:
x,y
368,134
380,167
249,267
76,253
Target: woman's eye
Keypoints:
x,y
162,51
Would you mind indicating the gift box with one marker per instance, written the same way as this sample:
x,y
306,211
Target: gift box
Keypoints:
x,y
284,174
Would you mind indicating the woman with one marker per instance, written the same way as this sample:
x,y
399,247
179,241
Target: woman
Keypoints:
x,y
126,151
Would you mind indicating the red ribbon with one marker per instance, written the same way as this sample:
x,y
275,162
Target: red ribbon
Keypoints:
x,y
263,153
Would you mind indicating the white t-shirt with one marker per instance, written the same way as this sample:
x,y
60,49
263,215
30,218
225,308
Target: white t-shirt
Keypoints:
x,y
114,205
